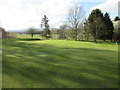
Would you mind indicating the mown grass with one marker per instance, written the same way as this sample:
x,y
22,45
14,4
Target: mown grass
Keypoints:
x,y
59,64
28,36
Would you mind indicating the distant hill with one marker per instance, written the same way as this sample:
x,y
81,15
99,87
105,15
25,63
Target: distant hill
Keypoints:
x,y
22,30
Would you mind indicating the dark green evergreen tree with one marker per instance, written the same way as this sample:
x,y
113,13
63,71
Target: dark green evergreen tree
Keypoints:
x,y
95,20
45,26
108,27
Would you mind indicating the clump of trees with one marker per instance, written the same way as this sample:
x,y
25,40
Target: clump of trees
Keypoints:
x,y
4,34
54,33
99,25
63,32
116,36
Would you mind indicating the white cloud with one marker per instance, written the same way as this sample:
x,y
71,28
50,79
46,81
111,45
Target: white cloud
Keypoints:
x,y
20,14
108,6
89,0
11,15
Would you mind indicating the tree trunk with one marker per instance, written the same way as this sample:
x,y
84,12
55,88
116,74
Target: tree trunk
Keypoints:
x,y
76,35
75,38
87,39
104,40
111,39
32,35
95,39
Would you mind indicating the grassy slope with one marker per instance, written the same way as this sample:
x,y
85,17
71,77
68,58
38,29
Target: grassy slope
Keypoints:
x,y
59,63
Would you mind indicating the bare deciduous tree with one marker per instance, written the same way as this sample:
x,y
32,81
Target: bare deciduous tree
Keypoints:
x,y
75,18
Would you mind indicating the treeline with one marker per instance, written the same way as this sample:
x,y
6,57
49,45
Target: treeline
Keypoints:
x,y
98,26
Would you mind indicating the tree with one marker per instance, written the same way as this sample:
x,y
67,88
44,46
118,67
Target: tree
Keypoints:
x,y
81,33
63,31
95,20
116,18
45,26
75,17
31,31
86,30
54,33
108,27
116,36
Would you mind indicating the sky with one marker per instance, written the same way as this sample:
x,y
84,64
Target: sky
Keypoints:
x,y
22,14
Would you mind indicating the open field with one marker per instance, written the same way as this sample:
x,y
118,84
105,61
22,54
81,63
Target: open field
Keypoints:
x,y
36,63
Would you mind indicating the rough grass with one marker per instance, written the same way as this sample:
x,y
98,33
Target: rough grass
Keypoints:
x,y
59,64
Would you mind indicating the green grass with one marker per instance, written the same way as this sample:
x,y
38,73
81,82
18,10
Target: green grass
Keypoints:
x,y
59,64
28,36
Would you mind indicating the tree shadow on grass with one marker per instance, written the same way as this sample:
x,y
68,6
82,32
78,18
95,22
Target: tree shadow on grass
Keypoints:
x,y
29,39
56,76
101,42
48,66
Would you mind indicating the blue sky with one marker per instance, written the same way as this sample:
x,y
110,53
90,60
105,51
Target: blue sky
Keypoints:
x,y
22,14
87,7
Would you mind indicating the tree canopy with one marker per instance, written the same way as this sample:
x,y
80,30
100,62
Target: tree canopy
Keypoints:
x,y
116,18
